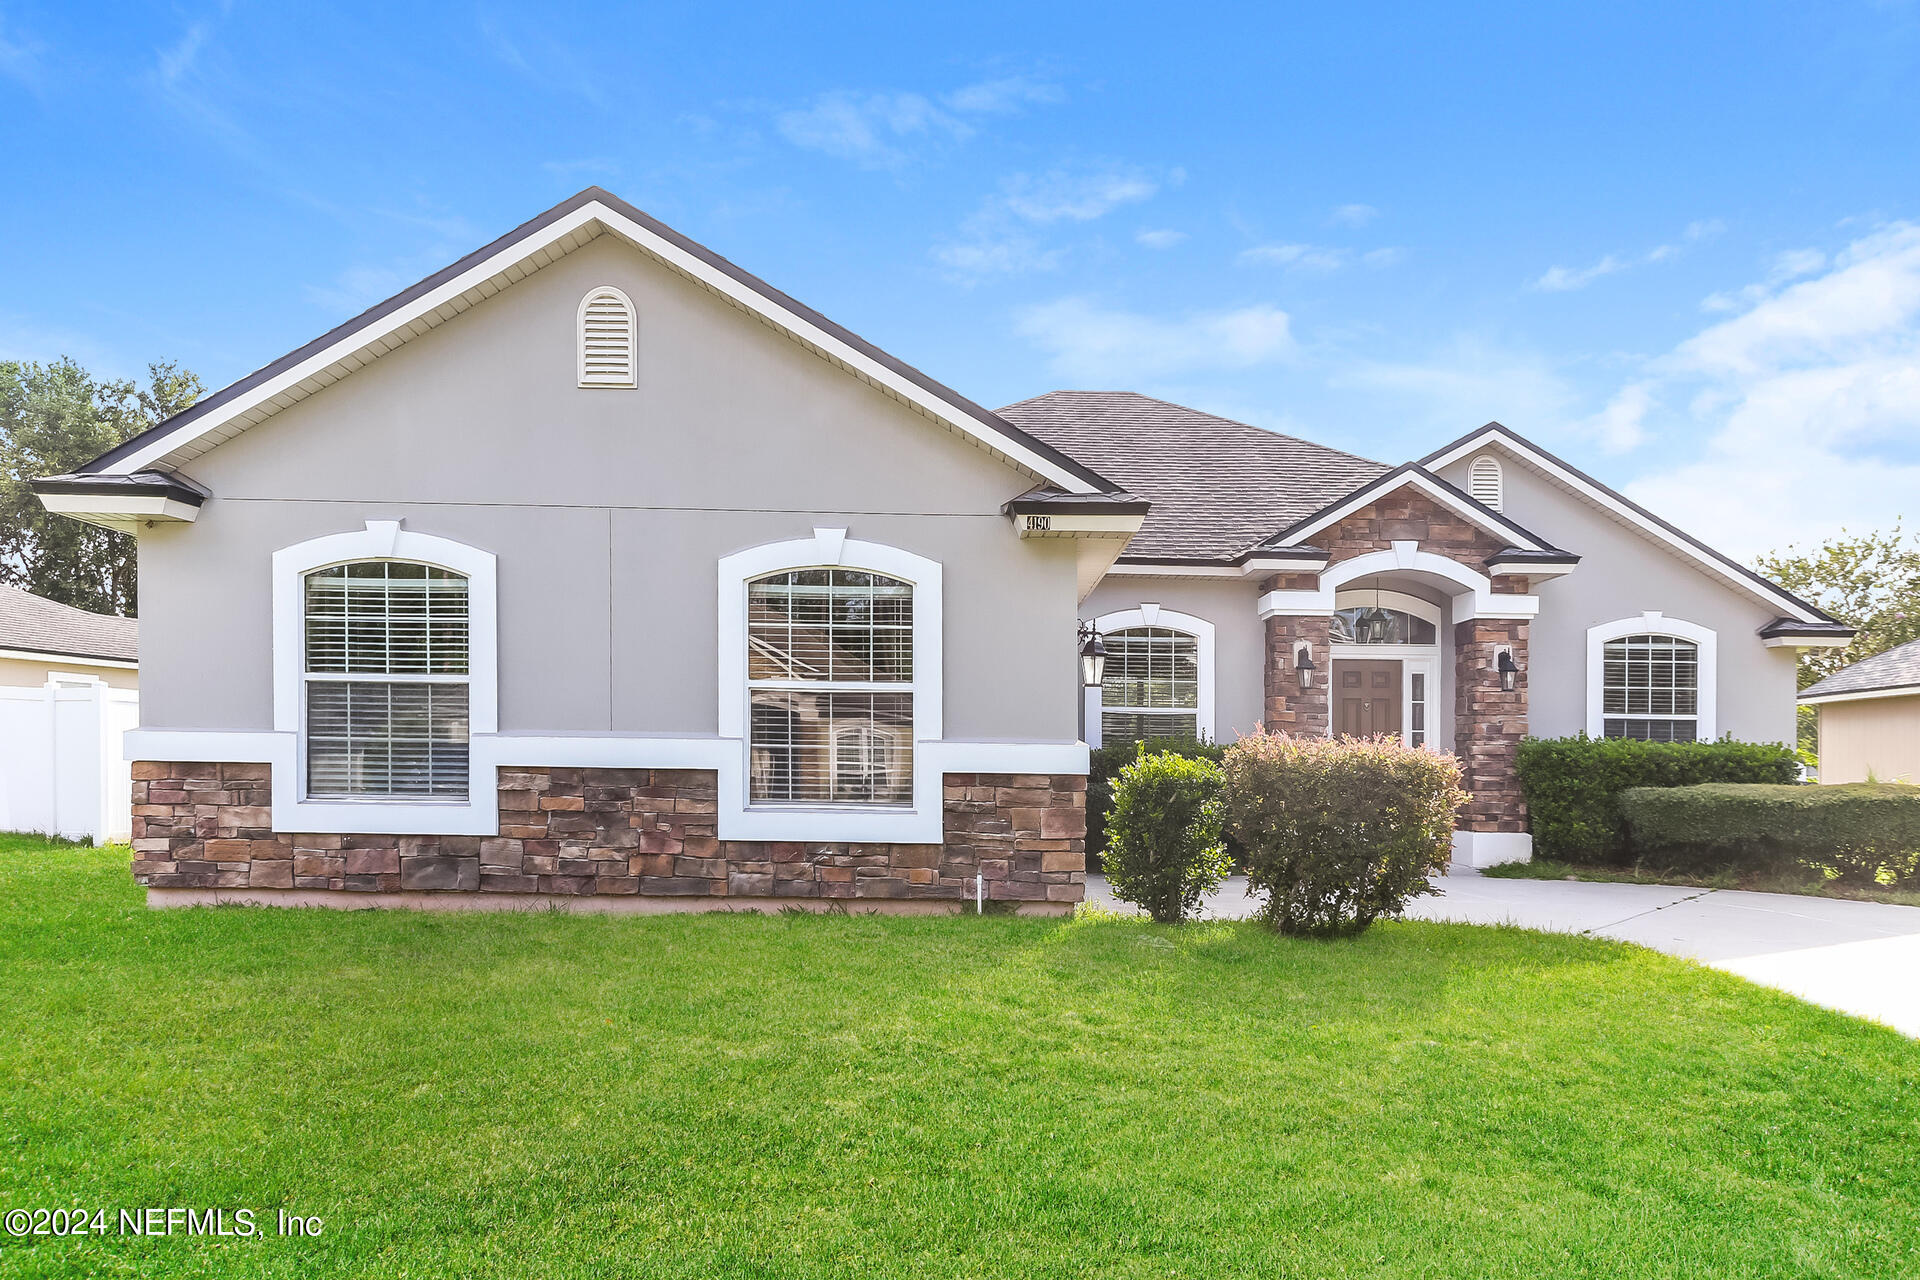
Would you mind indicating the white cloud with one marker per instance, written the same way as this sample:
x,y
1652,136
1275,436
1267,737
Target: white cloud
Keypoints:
x,y
1562,279
998,238
867,128
1093,345
1559,279
1622,424
20,57
1391,256
1301,257
1354,215
1004,96
1066,195
1809,402
1463,384
881,130
1161,238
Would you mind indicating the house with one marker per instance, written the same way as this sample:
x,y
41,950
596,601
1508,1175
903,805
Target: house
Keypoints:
x,y
69,691
593,565
41,641
1870,718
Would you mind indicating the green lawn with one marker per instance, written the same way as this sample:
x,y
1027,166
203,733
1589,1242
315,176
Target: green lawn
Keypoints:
x,y
710,1096
1806,884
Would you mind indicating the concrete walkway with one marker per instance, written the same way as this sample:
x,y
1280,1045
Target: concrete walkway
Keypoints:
x,y
1861,958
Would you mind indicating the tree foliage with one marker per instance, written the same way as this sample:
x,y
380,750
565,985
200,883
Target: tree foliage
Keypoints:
x,y
54,418
1869,581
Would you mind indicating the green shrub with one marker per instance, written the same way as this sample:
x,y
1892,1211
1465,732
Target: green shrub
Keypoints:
x,y
1163,834
1864,833
1572,785
1339,831
1104,762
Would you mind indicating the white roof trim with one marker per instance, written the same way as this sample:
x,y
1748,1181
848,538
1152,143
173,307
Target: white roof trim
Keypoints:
x,y
512,263
1434,489
1863,695
68,659
1610,502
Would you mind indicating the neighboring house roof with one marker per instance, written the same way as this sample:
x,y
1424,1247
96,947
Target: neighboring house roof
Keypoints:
x,y
528,247
34,624
1217,487
1804,621
1893,672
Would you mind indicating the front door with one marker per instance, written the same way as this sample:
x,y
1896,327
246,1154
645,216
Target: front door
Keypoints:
x,y
1367,695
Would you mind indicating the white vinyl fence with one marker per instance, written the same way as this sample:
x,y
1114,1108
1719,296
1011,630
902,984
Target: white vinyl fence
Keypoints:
x,y
60,766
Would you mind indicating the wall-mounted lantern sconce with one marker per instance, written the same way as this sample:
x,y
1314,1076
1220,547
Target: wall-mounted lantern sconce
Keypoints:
x,y
1093,656
1507,667
1303,666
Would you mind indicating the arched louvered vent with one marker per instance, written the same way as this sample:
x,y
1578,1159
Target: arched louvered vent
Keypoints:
x,y
606,338
1485,482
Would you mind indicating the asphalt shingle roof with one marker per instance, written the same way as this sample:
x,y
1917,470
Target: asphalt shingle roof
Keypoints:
x,y
1897,668
33,622
1217,486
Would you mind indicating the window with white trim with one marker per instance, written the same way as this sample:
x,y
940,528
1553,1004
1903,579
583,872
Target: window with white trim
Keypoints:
x,y
386,681
1486,483
830,688
1651,688
1151,686
606,338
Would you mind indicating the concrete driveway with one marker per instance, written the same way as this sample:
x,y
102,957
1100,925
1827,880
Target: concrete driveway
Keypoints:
x,y
1861,958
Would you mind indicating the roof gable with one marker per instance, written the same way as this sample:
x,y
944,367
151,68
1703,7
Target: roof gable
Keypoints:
x,y
527,248
1627,512
1413,475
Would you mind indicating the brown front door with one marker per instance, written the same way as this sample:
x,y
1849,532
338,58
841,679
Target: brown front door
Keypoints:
x,y
1367,695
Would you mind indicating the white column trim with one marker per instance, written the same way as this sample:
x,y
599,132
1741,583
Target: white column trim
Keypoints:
x,y
1653,622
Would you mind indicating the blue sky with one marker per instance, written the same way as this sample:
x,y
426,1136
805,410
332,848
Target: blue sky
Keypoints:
x,y
1678,244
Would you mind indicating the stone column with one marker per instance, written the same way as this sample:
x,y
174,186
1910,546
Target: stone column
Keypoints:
x,y
1488,724
1289,708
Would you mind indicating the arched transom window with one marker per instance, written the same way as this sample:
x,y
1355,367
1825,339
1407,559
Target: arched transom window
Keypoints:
x,y
1651,688
386,680
829,678
1151,687
1373,624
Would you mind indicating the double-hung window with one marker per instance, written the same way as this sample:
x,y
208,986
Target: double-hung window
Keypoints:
x,y
386,676
830,688
1151,687
1651,688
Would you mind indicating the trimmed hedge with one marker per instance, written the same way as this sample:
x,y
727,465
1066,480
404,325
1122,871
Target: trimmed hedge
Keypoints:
x,y
1863,833
1163,847
1104,762
1572,785
1339,831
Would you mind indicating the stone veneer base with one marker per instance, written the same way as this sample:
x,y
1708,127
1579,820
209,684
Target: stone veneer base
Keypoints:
x,y
343,900
642,836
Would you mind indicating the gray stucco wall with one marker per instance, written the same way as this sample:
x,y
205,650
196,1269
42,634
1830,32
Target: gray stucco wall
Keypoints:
x,y
1623,573
608,510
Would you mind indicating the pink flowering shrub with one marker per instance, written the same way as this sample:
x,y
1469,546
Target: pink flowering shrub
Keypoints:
x,y
1339,831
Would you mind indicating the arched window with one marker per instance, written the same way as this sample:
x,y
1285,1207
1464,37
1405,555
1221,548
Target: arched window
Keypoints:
x,y
1651,688
1485,481
606,338
385,677
1651,677
1151,688
830,688
1372,624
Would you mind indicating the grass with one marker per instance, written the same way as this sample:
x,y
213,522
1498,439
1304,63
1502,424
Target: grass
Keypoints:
x,y
544,1095
1806,885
